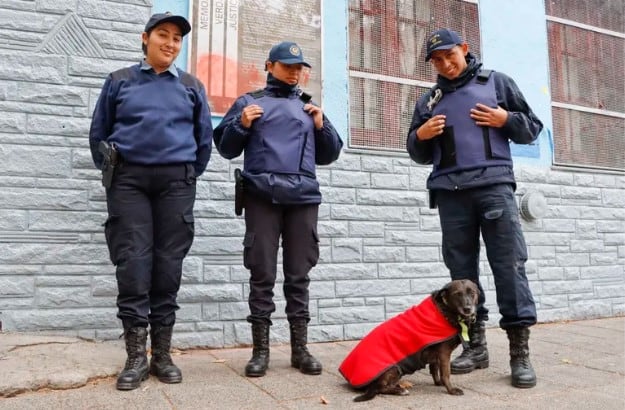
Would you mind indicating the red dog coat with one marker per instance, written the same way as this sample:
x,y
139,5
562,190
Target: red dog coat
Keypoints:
x,y
397,342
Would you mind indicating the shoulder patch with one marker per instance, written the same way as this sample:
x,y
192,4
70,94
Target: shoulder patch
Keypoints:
x,y
122,74
188,80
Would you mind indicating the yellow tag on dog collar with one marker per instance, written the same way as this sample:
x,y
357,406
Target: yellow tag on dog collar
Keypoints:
x,y
464,333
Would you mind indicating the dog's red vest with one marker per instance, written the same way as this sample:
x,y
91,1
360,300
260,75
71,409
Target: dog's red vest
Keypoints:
x,y
395,340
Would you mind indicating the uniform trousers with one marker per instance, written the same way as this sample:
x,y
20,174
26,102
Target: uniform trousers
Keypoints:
x,y
265,224
493,212
149,231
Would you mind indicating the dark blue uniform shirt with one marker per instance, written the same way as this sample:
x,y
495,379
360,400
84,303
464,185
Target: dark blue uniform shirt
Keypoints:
x,y
153,119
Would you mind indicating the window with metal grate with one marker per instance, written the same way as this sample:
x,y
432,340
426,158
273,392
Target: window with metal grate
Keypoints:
x,y
387,67
587,56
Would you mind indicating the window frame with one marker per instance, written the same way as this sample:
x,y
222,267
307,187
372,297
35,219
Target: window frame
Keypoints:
x,y
577,109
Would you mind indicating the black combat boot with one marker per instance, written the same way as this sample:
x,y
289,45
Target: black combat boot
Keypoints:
x,y
136,369
300,356
523,375
257,365
476,355
161,364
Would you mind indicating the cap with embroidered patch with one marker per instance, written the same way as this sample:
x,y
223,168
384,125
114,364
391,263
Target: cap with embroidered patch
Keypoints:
x,y
287,52
442,39
167,17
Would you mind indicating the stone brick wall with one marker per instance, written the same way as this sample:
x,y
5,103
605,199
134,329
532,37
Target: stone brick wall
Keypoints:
x,y
380,244
54,55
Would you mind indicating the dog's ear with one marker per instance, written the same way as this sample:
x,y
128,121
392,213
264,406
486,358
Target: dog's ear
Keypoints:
x,y
442,293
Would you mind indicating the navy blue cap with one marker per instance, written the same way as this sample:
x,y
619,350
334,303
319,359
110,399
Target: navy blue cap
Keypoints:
x,y
287,52
442,39
167,17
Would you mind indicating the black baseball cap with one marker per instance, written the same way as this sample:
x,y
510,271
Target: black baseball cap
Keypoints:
x,y
442,39
167,17
287,52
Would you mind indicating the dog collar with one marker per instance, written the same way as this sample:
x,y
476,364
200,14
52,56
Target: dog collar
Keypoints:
x,y
464,330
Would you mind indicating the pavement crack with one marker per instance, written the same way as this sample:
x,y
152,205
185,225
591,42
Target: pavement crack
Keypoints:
x,y
169,400
23,346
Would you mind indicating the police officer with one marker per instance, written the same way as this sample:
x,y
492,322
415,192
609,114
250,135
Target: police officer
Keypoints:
x,y
283,136
463,126
157,118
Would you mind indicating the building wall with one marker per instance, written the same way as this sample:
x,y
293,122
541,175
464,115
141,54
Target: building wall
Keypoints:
x,y
380,244
514,39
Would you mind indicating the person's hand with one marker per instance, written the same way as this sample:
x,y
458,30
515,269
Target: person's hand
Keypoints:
x,y
316,113
486,116
431,128
249,114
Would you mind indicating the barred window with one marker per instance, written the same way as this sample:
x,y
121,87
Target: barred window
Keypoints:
x,y
587,55
387,68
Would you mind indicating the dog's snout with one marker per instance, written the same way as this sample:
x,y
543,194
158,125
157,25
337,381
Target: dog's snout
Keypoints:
x,y
469,303
468,310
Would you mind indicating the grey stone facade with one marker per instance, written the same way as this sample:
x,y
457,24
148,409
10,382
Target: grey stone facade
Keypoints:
x,y
380,243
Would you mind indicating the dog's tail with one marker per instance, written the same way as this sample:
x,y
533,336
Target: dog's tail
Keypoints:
x,y
368,395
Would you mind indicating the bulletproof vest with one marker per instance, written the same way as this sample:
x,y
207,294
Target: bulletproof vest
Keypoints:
x,y
282,138
463,145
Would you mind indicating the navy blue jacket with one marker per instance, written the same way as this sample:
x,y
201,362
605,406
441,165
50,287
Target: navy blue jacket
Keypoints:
x,y
522,127
153,119
282,147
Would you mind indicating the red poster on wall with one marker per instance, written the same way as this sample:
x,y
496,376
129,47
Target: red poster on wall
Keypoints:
x,y
232,38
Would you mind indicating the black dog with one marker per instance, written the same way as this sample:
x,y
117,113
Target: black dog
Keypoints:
x,y
425,334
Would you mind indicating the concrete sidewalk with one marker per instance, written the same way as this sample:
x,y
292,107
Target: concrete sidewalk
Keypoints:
x,y
580,365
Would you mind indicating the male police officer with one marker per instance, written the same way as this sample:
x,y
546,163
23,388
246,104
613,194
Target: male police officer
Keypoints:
x,y
462,127
284,136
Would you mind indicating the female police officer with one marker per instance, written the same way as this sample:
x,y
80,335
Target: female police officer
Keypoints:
x,y
283,136
157,119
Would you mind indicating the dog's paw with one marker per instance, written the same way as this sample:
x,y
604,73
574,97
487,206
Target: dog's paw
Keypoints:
x,y
456,391
403,392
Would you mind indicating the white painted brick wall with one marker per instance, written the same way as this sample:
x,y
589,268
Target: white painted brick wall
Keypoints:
x,y
380,244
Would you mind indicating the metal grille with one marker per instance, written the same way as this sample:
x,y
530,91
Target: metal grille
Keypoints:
x,y
587,82
606,14
387,62
585,67
589,140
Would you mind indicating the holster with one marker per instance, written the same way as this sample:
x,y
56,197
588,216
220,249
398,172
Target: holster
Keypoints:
x,y
432,199
239,192
111,160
